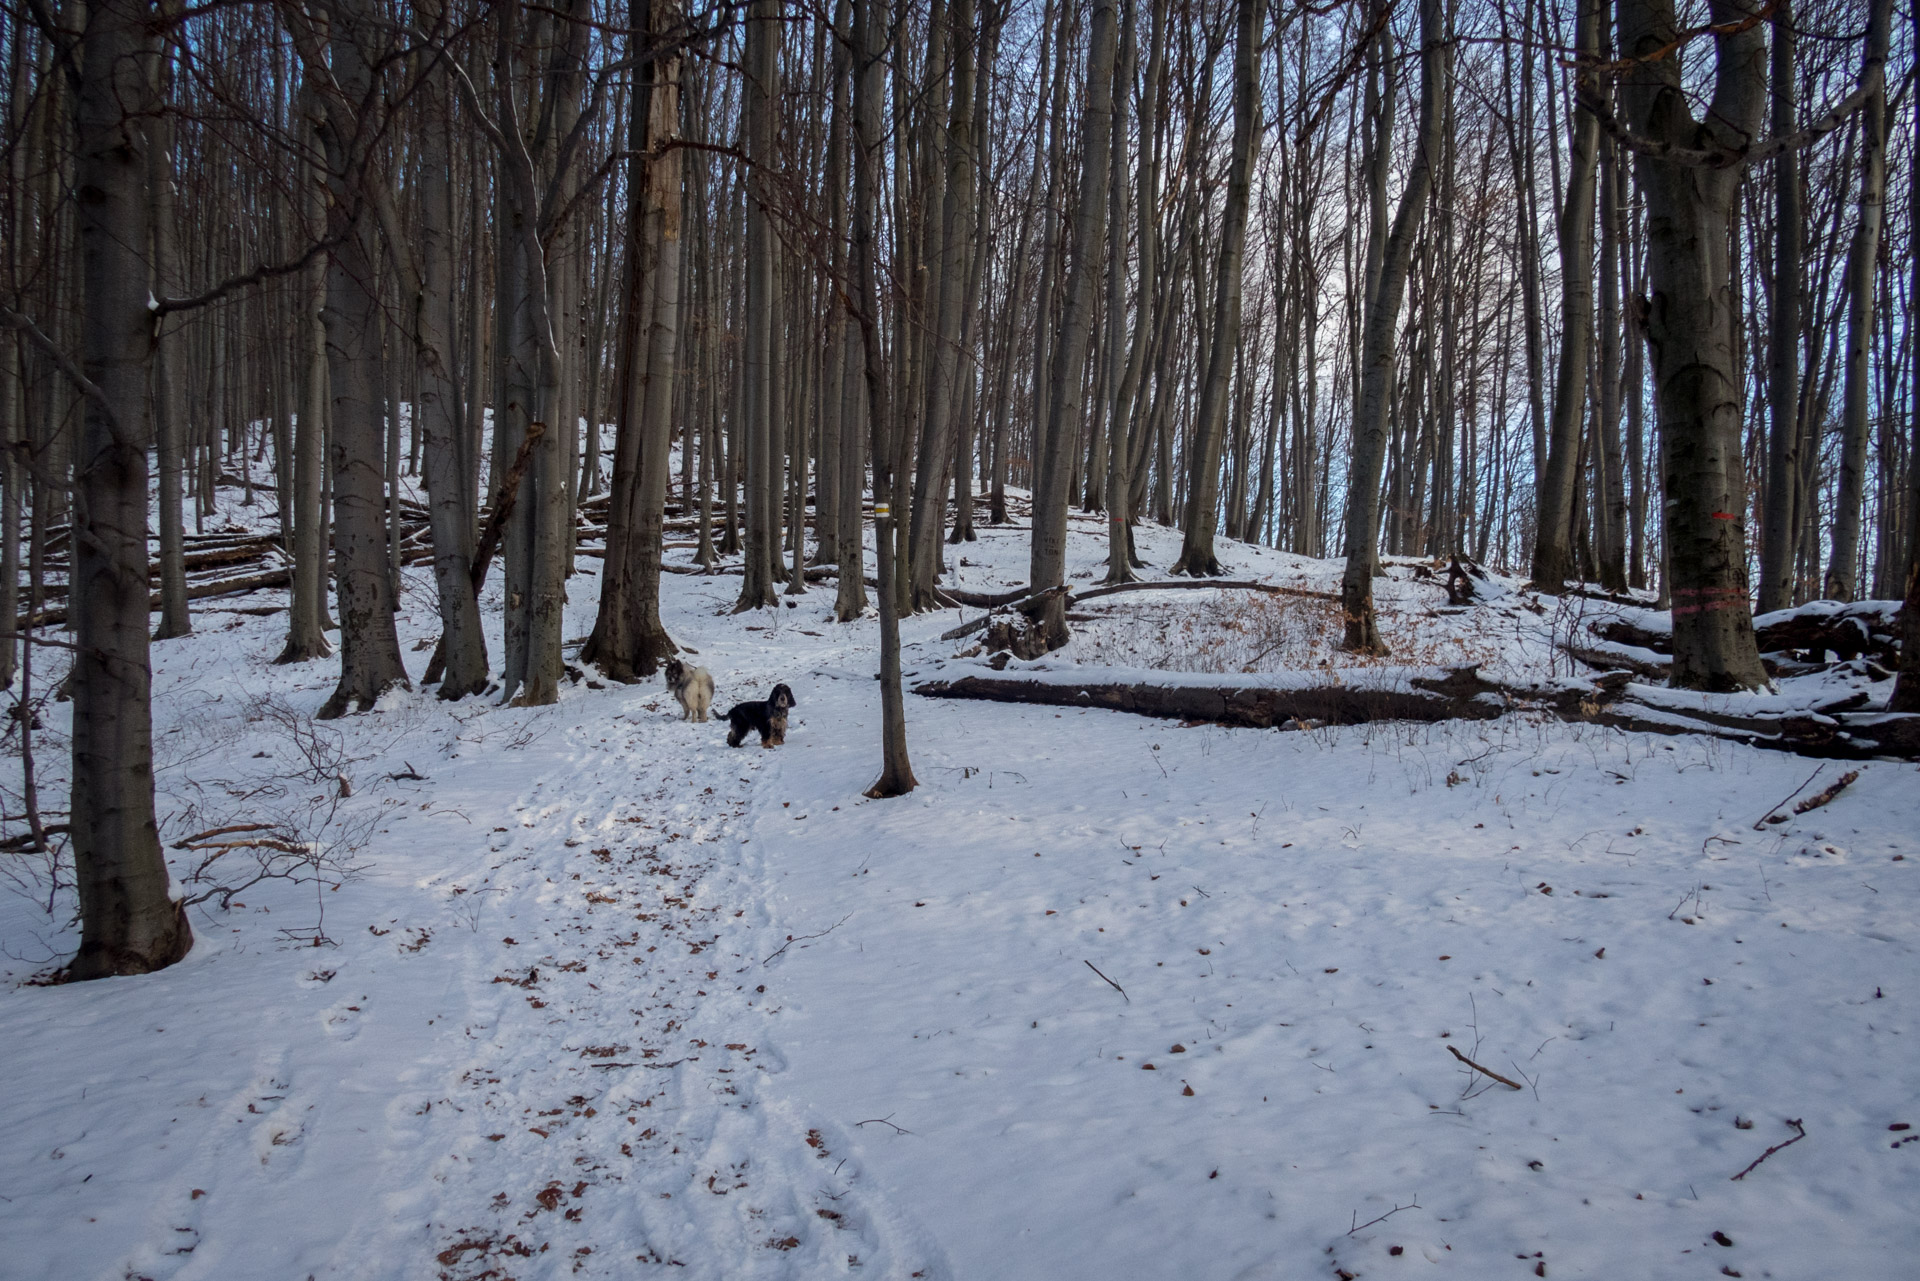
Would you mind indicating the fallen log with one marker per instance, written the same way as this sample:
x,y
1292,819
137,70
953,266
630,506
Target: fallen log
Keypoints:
x,y
1861,628
1608,660
1835,731
195,591
1457,696
1025,600
1864,627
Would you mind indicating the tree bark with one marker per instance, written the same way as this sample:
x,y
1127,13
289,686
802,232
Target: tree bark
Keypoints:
x,y
1203,486
629,639
1696,372
1383,310
762,496
1553,536
128,922
896,771
370,662
307,594
941,416
450,516
175,621
1066,404
1779,522
1843,571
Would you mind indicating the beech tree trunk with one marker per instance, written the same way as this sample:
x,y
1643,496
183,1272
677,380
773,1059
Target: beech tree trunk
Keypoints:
x,y
1065,402
1779,521
307,593
941,416
175,620
869,42
1553,537
128,922
370,662
757,430
629,639
1378,341
450,516
1203,486
1696,371
1843,571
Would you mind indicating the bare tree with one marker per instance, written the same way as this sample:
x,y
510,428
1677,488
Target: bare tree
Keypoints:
x,y
129,924
1203,486
629,638
1696,372
869,44
1382,320
1553,537
1065,404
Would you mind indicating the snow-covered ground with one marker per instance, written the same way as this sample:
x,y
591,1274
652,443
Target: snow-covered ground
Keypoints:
x,y
1105,997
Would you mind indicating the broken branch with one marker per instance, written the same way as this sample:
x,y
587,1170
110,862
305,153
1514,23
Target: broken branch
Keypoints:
x,y
1110,983
1770,1151
1838,786
1511,1085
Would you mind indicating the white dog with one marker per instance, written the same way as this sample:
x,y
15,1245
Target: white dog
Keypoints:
x,y
693,687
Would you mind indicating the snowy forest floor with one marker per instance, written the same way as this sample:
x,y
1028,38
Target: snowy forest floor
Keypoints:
x,y
1106,997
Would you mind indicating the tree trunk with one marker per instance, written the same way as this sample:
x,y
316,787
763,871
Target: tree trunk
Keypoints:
x,y
450,517
307,595
947,363
1203,486
1066,405
1779,523
1553,537
896,771
850,595
129,924
370,662
175,620
1377,344
1609,492
1696,372
1843,571
629,638
758,428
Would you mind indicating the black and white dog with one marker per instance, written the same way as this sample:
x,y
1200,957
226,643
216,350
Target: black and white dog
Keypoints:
x,y
769,717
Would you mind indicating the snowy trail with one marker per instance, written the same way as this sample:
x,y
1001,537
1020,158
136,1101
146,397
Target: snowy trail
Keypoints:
x,y
534,1050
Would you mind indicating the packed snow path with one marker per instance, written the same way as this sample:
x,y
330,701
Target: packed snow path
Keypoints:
x,y
541,1045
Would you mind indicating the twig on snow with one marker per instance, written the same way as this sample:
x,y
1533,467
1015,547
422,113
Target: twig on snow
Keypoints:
x,y
1110,983
883,1120
791,940
1802,1133
1411,1205
1455,1051
1760,824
